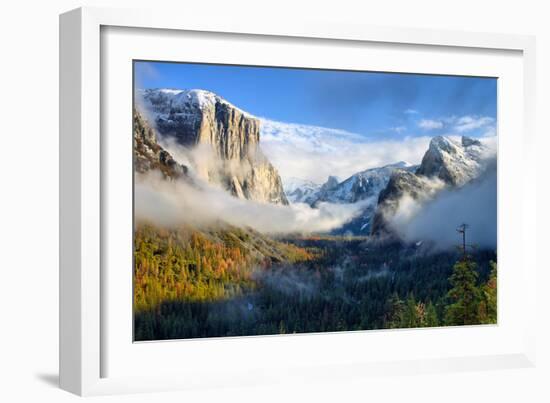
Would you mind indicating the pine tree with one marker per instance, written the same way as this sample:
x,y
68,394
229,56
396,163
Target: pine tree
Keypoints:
x,y
431,316
488,305
410,313
394,312
464,295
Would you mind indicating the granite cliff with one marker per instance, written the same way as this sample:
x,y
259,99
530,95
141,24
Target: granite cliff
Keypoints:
x,y
198,118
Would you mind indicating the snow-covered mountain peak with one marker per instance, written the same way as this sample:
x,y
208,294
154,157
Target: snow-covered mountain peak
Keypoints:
x,y
448,145
453,161
443,144
291,184
331,183
202,98
170,91
360,186
171,100
300,190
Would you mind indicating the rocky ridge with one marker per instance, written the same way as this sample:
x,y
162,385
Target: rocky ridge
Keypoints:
x,y
149,155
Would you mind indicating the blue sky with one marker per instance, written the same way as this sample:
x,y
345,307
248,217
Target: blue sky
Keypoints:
x,y
375,105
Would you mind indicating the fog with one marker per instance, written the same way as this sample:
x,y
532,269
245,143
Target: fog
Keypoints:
x,y
290,280
170,203
437,220
205,163
204,201
312,152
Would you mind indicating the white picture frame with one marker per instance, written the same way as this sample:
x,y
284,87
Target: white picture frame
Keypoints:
x,y
85,345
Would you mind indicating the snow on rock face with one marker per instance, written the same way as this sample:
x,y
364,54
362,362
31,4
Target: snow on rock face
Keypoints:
x,y
201,118
360,186
364,185
447,163
196,117
453,162
300,190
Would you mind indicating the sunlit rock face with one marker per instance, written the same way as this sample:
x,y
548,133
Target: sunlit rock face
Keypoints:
x,y
198,118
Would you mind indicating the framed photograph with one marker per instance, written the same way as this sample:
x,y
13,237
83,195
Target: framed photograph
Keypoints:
x,y
246,202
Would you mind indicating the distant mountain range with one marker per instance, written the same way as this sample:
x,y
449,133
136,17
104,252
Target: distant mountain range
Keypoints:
x,y
446,163
360,186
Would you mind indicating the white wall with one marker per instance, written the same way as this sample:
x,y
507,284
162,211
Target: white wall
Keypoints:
x,y
29,212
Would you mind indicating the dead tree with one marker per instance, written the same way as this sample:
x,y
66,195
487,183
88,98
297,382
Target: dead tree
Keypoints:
x,y
464,246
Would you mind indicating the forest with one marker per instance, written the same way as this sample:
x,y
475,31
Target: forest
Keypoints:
x,y
228,281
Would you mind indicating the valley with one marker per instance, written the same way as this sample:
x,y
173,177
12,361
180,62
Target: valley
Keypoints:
x,y
232,282
225,246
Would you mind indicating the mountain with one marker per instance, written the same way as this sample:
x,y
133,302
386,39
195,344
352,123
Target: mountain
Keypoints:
x,y
148,154
364,186
300,190
447,163
360,186
201,118
455,163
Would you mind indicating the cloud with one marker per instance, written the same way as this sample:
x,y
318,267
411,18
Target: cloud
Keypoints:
x,y
491,131
469,123
436,220
204,161
461,124
170,203
314,153
411,111
398,129
429,124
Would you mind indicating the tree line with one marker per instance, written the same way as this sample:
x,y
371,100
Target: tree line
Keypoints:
x,y
189,283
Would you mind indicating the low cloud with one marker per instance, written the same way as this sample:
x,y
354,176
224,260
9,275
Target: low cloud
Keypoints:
x,y
206,164
170,203
436,220
290,280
